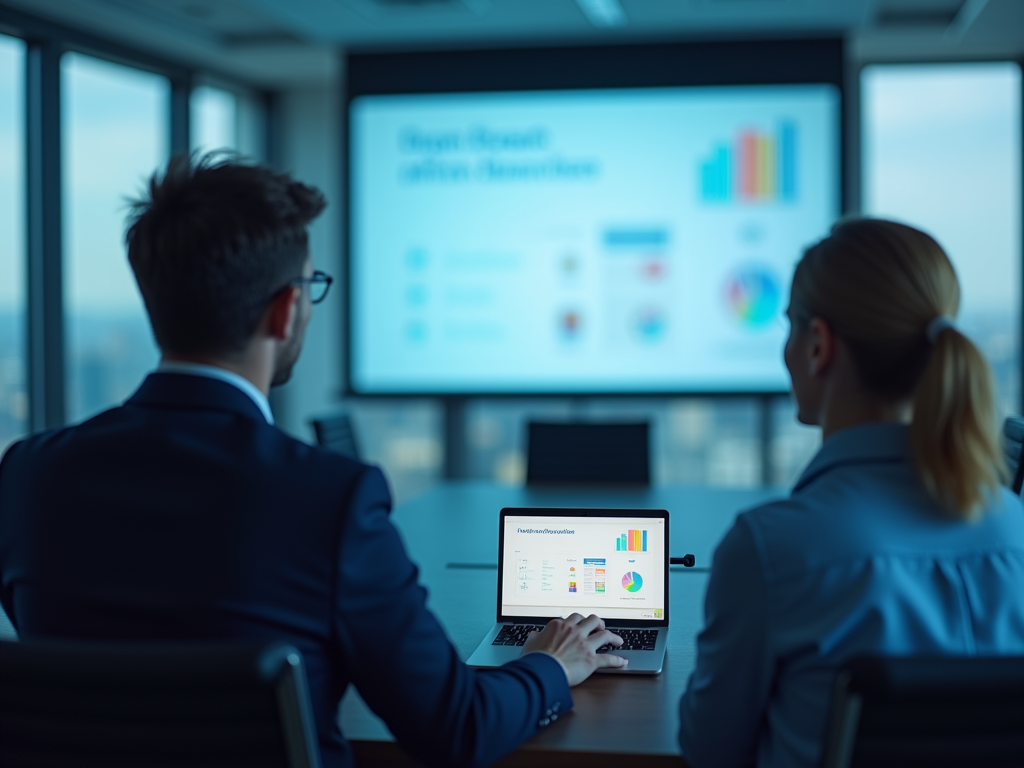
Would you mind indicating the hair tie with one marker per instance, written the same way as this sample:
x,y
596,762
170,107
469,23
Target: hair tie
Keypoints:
x,y
937,326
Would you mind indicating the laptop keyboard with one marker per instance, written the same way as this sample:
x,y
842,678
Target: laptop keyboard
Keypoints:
x,y
515,634
632,639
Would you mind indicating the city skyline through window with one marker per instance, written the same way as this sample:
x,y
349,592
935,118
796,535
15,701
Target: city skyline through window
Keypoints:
x,y
13,368
942,151
115,135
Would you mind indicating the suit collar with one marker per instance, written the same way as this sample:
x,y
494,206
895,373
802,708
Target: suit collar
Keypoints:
x,y
187,392
222,374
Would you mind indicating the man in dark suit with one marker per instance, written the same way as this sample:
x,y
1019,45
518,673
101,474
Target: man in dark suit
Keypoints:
x,y
185,514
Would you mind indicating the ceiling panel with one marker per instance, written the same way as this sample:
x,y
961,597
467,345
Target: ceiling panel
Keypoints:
x,y
285,42
347,21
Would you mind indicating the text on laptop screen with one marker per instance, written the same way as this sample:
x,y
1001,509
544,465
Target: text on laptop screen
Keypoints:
x,y
611,566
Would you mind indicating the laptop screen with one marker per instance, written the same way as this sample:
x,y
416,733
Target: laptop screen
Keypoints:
x,y
612,566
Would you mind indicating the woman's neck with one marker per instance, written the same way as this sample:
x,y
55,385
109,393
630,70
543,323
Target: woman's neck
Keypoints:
x,y
850,407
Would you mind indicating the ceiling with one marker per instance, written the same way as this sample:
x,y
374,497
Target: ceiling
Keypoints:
x,y
295,43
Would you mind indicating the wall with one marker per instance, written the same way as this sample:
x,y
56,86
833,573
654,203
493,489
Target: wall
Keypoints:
x,y
311,145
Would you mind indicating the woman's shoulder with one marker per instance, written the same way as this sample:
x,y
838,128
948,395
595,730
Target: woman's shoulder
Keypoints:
x,y
1003,517
824,525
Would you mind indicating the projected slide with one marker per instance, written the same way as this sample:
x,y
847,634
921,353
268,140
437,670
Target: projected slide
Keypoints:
x,y
583,241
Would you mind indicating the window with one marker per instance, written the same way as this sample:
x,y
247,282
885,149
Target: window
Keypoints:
x,y
228,119
942,151
693,441
13,395
793,444
214,116
404,438
115,135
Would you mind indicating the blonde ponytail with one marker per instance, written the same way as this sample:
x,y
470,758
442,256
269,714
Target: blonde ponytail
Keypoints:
x,y
953,433
889,291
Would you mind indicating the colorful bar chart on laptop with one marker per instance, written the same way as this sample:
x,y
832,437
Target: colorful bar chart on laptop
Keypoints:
x,y
755,167
632,541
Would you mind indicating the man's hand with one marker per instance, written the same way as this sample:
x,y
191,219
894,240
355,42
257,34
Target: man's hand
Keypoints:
x,y
574,641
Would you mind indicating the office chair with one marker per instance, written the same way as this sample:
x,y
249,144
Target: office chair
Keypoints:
x,y
337,433
1013,446
938,712
584,453
84,705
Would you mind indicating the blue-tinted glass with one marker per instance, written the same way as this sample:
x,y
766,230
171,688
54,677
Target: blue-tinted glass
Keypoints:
x,y
214,115
942,151
402,437
793,445
115,135
13,397
693,440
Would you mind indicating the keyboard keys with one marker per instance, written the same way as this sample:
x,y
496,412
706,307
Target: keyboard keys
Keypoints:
x,y
633,639
515,634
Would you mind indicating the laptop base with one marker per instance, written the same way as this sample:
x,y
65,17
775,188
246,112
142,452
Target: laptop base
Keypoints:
x,y
640,662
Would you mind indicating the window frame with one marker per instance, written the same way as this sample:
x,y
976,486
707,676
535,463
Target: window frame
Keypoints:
x,y
46,42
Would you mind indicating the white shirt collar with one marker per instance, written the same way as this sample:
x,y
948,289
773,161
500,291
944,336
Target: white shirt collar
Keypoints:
x,y
212,372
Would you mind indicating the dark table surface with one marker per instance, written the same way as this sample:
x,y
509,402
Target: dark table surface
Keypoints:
x,y
451,532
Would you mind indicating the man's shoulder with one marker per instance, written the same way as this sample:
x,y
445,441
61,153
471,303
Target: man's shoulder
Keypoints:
x,y
299,454
121,438
32,444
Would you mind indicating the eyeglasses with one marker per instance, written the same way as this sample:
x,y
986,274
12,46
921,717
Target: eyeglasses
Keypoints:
x,y
319,283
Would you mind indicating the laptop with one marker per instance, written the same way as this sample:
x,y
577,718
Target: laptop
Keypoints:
x,y
554,562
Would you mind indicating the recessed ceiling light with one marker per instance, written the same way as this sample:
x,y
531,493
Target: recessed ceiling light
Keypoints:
x,y
603,13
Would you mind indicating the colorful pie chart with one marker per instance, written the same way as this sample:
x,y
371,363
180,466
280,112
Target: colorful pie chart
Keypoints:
x,y
632,582
754,296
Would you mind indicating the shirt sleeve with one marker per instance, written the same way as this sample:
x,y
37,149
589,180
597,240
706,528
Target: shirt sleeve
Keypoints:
x,y
441,711
722,712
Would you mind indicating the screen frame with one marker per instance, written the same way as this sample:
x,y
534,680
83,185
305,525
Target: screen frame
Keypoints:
x,y
386,72
661,514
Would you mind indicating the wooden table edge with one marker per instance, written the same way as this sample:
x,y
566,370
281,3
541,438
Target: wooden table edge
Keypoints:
x,y
391,754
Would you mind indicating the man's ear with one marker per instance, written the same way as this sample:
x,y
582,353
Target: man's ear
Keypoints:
x,y
822,348
280,315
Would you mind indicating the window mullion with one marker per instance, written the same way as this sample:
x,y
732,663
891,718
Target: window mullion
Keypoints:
x,y
45,343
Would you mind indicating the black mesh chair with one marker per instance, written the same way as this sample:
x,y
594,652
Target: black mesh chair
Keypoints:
x,y
585,453
77,705
938,712
1013,446
337,433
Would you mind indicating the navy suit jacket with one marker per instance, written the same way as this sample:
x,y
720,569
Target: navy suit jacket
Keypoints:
x,y
184,515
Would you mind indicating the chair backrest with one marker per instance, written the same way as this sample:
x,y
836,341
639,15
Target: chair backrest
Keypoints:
x,y
1013,446
588,453
82,705
935,712
337,433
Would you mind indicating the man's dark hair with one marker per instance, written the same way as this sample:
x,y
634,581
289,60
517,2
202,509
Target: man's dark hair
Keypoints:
x,y
213,241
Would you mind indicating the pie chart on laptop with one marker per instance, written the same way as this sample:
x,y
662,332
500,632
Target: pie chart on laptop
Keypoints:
x,y
632,582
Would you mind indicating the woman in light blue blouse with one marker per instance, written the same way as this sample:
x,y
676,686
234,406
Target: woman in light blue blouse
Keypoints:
x,y
897,539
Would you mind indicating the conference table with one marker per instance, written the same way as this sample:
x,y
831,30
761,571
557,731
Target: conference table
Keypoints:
x,y
451,533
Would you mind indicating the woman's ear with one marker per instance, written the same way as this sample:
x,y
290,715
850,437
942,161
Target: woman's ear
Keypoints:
x,y
822,347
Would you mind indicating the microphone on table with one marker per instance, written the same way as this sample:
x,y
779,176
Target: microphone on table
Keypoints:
x,y
688,560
